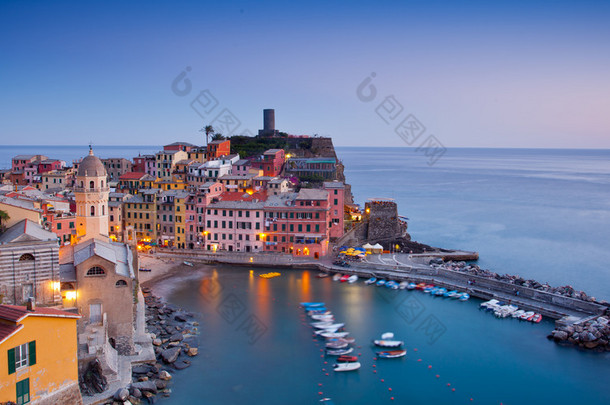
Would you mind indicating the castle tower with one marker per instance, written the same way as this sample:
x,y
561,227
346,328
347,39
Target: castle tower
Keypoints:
x,y
91,193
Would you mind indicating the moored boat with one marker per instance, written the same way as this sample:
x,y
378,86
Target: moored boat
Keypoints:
x,y
388,343
312,304
339,352
411,286
334,334
328,325
440,292
346,359
380,282
464,297
536,318
322,275
518,313
391,354
337,277
337,345
344,278
403,285
346,366
352,279
370,281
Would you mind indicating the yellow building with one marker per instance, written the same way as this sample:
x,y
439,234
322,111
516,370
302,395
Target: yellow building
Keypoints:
x,y
38,361
140,213
173,184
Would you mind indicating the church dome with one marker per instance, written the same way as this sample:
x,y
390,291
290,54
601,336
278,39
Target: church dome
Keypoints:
x,y
91,166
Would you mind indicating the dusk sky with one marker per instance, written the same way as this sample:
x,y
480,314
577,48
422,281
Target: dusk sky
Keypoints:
x,y
474,74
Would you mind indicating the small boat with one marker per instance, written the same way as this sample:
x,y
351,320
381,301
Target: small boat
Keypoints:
x,y
312,304
346,366
334,334
323,317
391,354
188,263
451,294
464,297
387,335
336,345
328,325
329,330
321,324
316,311
403,285
429,289
339,352
420,286
388,343
344,278
341,340
346,359
392,285
337,277
536,318
380,283
440,292
526,316
327,401
322,275
352,279
518,313
411,286
370,281
529,318
487,304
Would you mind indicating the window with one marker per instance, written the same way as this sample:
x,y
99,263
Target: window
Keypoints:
x,y
25,257
21,356
121,283
59,226
95,271
91,184
92,211
23,391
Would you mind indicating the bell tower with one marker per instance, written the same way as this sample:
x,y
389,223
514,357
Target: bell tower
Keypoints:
x,y
91,193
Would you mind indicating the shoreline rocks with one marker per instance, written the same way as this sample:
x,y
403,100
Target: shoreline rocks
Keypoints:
x,y
174,332
593,334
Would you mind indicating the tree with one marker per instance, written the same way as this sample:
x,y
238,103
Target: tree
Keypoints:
x,y
208,130
218,137
3,217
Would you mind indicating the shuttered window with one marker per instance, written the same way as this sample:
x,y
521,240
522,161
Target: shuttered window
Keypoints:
x,y
23,391
21,356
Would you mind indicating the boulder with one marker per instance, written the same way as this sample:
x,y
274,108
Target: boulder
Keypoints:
x,y
145,386
160,384
121,394
591,345
193,351
181,364
560,335
134,392
170,355
176,337
156,342
164,375
180,318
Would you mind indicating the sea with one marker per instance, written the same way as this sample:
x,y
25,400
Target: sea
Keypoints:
x,y
539,213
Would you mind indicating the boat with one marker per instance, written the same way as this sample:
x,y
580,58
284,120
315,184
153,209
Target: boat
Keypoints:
x,y
188,263
403,285
464,296
451,294
339,352
440,292
370,281
334,334
411,286
323,317
392,285
536,318
344,278
391,354
387,335
322,275
346,359
341,340
526,316
321,324
327,401
328,325
518,313
352,279
429,289
312,304
380,283
336,345
420,286
505,311
337,277
388,343
346,366
529,318
329,330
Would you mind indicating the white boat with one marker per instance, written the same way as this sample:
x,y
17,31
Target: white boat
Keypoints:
x,y
403,285
391,354
339,352
334,334
337,277
464,296
505,311
321,324
526,316
188,263
352,279
346,366
387,335
388,343
518,313
489,303
329,326
327,317
329,330
371,280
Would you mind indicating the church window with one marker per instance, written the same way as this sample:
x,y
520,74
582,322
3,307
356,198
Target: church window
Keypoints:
x,y
95,271
121,283
25,257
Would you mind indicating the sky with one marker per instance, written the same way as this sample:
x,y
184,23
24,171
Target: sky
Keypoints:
x,y
527,74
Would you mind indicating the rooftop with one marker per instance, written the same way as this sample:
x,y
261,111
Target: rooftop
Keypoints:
x,y
312,194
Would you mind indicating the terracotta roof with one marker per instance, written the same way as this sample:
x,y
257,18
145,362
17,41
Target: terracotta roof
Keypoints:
x,y
15,313
7,331
132,176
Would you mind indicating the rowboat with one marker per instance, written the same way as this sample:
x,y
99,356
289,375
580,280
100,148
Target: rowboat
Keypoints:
x,y
339,352
403,285
388,343
312,304
380,282
322,275
352,279
347,359
346,366
371,280
337,277
325,325
411,286
391,354
334,334
536,318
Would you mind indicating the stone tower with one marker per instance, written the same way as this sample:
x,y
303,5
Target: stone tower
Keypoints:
x,y
91,194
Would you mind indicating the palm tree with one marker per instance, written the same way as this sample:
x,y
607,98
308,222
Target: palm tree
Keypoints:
x,y
3,217
208,130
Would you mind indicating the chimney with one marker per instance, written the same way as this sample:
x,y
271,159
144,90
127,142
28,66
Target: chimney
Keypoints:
x,y
31,305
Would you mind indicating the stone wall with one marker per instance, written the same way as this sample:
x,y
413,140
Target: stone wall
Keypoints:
x,y
67,395
383,220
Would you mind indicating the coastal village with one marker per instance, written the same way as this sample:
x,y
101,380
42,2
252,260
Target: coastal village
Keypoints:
x,y
77,326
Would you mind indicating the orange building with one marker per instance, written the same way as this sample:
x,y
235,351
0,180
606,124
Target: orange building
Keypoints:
x,y
38,356
219,148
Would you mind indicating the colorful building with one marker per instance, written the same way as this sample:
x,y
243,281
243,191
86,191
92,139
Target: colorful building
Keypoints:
x,y
145,164
38,356
166,162
116,167
271,163
218,149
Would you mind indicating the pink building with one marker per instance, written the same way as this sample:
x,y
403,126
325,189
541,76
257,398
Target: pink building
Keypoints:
x,y
234,223
241,167
196,205
271,162
298,223
336,193
145,164
20,162
48,165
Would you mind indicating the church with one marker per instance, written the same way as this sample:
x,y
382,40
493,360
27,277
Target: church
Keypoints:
x,y
97,275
